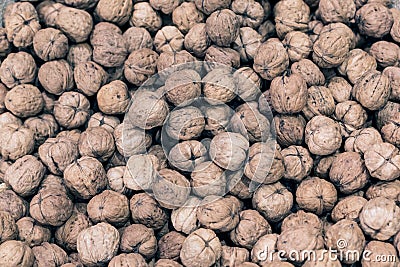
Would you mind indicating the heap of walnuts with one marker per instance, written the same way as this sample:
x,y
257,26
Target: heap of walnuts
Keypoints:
x,y
272,128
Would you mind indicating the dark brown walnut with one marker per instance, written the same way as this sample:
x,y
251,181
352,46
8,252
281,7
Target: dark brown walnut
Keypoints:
x,y
66,235
345,236
48,254
16,253
289,129
208,179
8,227
248,83
233,256
5,45
140,65
102,238
182,87
96,142
138,238
216,27
48,12
250,228
298,45
362,140
291,15
141,172
390,190
220,214
128,260
25,175
263,250
58,153
388,122
273,201
316,195
21,23
393,73
222,55
351,115
146,210
337,11
44,126
17,68
56,76
265,163
89,77
357,64
302,219
196,40
171,189
209,6
383,161
109,46
137,38
247,43
115,177
145,16
85,178
348,208
250,13
319,102
386,53
16,141
379,218
79,53
288,94
185,124
376,249
201,248
297,162
71,110
340,88
117,12
168,39
374,19
186,16
76,24
323,135
32,233
309,71
135,143
271,59
50,44
11,203
170,59
107,122
170,245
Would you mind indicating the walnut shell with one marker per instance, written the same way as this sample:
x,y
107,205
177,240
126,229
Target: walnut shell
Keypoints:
x,y
8,227
89,77
117,12
23,141
76,24
273,63
196,40
182,87
71,110
383,161
351,114
395,31
115,177
298,44
128,260
139,239
141,172
107,122
263,248
386,53
137,38
248,84
44,126
316,195
208,179
32,233
48,254
79,53
218,118
50,44
309,71
17,68
146,210
168,39
273,201
222,55
319,102
140,65
170,59
357,64
56,76
393,73
102,238
362,140
216,31
377,249
184,219
340,88
96,142
186,16
291,15
16,253
209,6
289,129
185,124
348,208
145,16
233,256
390,190
251,13
297,162
201,248
219,86
48,12
170,245
387,120
5,45
11,203
337,11
267,29
24,100
302,219
135,141
247,43
374,19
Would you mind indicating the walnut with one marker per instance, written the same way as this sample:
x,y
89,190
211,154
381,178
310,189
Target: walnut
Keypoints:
x,y
79,53
75,23
250,228
3,93
289,129
44,126
23,141
140,239
21,23
351,114
348,208
32,233
383,161
96,142
185,124
67,234
337,11
8,227
128,260
233,256
187,155
222,55
393,73
170,245
89,77
388,122
16,253
321,260
167,263
344,236
107,122
115,179
208,179
102,238
247,43
266,29
309,71
186,16
24,100
263,249
201,248
273,201
145,16
48,12
5,45
48,254
182,87
218,118
146,210
209,6
109,46
158,151
302,219
140,65
376,249
11,203
113,98
184,219
141,172
340,88
17,68
395,31
50,44
386,53
117,12
251,13
357,64
56,76
316,195
322,135
361,140
374,19
196,40
319,102
248,84
170,59
291,15
390,190
288,93
168,39
271,59
81,4
298,45
135,140
216,30
137,38
71,110
265,163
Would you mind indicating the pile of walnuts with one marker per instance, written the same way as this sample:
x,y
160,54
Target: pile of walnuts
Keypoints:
x,y
272,128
